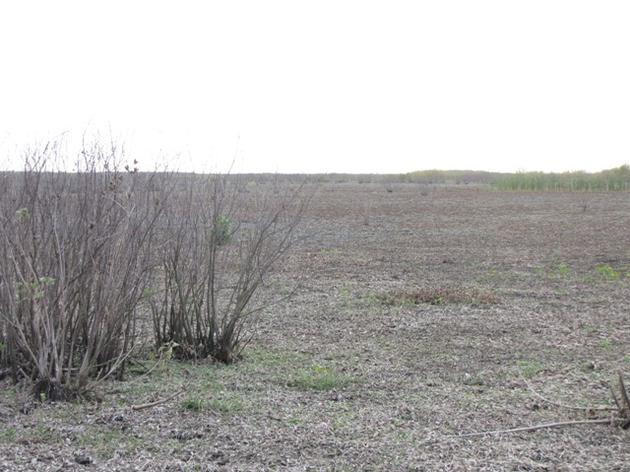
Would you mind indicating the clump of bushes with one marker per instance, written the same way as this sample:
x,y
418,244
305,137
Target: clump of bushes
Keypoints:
x,y
219,245
75,257
84,254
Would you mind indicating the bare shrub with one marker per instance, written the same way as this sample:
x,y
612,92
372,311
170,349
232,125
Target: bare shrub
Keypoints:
x,y
75,258
220,245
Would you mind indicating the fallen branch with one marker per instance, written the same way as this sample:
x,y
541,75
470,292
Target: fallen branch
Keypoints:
x,y
157,402
622,419
537,427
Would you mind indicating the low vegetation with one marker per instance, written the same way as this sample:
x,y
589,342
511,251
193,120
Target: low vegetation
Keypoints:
x,y
442,322
321,378
439,296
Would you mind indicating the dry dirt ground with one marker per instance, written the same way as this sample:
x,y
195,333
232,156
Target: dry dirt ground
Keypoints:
x,y
421,314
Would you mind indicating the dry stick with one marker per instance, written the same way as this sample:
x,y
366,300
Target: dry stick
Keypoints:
x,y
624,395
537,427
623,421
614,396
157,402
625,411
562,405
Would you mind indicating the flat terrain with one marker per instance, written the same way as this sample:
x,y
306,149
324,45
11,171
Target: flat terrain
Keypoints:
x,y
421,314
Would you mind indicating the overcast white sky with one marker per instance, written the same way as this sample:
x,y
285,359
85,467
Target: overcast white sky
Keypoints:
x,y
325,86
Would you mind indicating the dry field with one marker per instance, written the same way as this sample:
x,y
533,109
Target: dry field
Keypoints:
x,y
421,314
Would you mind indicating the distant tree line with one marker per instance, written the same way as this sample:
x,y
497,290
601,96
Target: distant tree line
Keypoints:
x,y
617,179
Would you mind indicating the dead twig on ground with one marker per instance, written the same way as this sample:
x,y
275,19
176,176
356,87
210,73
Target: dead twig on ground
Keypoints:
x,y
559,424
144,406
622,418
623,405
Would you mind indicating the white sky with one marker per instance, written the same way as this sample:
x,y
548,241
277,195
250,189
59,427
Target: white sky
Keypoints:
x,y
325,86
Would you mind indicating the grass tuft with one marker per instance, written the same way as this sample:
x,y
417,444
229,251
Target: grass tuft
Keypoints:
x,y
193,403
321,379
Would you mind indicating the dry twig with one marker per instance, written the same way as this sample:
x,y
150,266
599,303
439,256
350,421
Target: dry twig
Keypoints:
x,y
622,419
144,406
559,424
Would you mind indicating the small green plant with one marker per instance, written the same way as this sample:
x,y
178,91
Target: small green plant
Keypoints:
x,y
295,421
562,271
473,380
8,435
529,368
345,296
228,404
34,290
222,230
606,344
320,378
165,355
193,403
606,272
23,214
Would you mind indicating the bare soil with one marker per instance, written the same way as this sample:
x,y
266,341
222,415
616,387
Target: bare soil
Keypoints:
x,y
421,314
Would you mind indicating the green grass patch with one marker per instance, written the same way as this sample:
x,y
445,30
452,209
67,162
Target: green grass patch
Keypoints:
x,y
7,435
321,379
606,344
104,442
227,404
607,272
529,368
193,403
562,271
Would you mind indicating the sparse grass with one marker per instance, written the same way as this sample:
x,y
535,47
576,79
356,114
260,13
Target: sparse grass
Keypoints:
x,y
440,296
529,368
562,271
104,442
321,378
7,435
342,420
227,404
590,329
473,380
606,344
256,357
193,403
606,272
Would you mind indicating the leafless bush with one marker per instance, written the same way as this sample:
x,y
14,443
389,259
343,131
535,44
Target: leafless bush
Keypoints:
x,y
75,258
220,245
